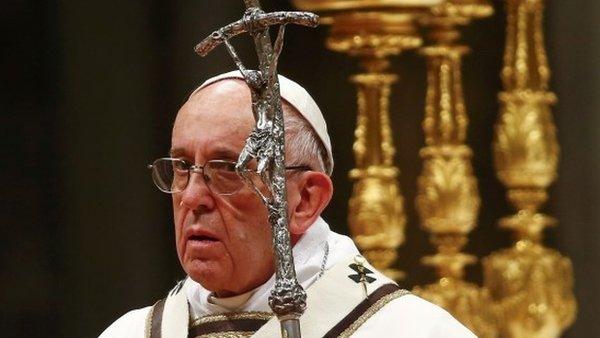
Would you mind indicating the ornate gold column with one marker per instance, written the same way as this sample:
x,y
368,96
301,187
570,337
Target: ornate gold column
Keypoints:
x,y
447,196
532,285
372,31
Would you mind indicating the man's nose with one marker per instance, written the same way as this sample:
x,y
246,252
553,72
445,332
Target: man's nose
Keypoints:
x,y
197,195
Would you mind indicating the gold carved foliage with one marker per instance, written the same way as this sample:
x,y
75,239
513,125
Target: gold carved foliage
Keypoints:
x,y
531,285
469,303
376,217
447,196
525,146
532,288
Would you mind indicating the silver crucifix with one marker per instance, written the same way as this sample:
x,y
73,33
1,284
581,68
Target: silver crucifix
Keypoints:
x,y
266,145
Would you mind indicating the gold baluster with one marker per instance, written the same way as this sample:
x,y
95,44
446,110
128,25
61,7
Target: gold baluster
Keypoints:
x,y
447,195
376,212
531,284
373,32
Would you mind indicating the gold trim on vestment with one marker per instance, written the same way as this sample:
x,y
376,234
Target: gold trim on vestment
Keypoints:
x,y
371,311
234,334
231,316
148,327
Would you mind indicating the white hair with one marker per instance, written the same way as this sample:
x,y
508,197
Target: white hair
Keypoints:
x,y
302,144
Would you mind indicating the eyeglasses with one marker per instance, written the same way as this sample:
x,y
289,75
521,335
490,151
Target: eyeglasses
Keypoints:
x,y
172,175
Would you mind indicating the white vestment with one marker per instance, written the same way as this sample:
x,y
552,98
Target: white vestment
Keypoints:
x,y
406,316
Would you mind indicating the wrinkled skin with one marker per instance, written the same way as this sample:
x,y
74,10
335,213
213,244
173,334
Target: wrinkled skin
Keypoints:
x,y
224,242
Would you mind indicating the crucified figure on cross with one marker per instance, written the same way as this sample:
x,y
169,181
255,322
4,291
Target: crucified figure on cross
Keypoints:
x,y
266,145
260,145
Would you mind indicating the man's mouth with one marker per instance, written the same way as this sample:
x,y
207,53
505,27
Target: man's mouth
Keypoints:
x,y
202,238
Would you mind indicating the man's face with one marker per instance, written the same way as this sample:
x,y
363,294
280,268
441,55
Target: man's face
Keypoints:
x,y
223,242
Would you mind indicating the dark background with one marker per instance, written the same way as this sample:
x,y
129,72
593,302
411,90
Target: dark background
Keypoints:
x,y
89,91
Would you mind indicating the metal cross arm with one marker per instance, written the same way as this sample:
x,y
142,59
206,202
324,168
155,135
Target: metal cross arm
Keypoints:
x,y
257,21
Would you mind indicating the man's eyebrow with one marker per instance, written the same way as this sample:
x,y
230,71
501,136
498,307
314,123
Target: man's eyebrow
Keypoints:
x,y
224,153
218,153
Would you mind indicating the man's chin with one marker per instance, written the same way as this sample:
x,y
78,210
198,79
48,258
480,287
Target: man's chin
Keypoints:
x,y
208,273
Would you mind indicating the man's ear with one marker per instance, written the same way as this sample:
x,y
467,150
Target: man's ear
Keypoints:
x,y
315,190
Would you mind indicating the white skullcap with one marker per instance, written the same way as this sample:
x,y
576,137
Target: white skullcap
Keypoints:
x,y
300,99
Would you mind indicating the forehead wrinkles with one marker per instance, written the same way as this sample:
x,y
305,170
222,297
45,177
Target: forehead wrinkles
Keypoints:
x,y
221,110
228,97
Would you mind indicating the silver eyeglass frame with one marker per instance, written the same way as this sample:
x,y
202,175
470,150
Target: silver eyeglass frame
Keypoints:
x,y
199,169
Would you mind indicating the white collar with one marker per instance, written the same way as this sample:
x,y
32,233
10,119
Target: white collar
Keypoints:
x,y
308,254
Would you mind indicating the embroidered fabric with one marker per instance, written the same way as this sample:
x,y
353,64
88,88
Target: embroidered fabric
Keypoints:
x,y
229,324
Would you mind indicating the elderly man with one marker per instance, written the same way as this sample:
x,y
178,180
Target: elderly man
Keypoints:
x,y
223,237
